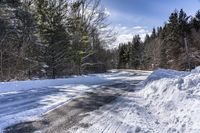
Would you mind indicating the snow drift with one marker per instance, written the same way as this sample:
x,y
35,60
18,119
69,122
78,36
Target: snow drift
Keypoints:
x,y
174,98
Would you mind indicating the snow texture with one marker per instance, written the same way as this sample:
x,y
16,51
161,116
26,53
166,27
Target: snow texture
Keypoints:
x,y
27,100
168,101
174,98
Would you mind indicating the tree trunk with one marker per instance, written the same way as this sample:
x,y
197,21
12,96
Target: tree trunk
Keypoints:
x,y
1,65
53,68
187,53
53,73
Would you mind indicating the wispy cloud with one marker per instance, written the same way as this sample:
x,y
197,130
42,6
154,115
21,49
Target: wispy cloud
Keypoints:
x,y
125,34
116,15
140,16
137,27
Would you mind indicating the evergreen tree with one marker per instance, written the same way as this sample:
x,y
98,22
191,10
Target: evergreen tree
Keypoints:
x,y
138,51
153,35
172,38
183,23
54,33
124,56
196,21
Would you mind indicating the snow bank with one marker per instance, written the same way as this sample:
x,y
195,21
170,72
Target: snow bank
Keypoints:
x,y
174,98
163,73
196,70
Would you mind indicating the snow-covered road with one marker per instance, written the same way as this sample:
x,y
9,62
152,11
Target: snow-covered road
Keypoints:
x,y
128,114
168,101
28,100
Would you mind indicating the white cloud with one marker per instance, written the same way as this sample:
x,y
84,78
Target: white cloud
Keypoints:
x,y
116,15
142,31
125,34
137,27
123,38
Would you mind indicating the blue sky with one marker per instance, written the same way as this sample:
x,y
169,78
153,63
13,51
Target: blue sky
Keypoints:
x,y
132,17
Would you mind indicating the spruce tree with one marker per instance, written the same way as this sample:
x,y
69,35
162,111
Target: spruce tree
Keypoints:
x,y
153,35
52,29
196,21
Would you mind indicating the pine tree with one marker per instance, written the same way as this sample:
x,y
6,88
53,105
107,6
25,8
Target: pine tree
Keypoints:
x,y
183,23
196,21
153,35
138,51
53,31
172,37
80,37
124,56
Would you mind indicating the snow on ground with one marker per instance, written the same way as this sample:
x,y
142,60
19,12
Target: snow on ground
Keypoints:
x,y
126,115
28,100
174,98
11,87
167,101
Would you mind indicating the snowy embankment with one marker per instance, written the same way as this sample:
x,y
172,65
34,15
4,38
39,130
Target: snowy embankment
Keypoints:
x,y
174,98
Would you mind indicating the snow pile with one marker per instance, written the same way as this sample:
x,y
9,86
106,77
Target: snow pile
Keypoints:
x,y
174,98
163,73
196,70
128,75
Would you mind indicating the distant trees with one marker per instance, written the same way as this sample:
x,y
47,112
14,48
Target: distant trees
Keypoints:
x,y
130,55
196,21
176,45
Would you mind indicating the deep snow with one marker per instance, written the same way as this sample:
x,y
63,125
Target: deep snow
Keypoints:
x,y
174,98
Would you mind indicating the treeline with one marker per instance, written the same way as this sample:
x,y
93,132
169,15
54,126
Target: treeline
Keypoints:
x,y
176,45
49,38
